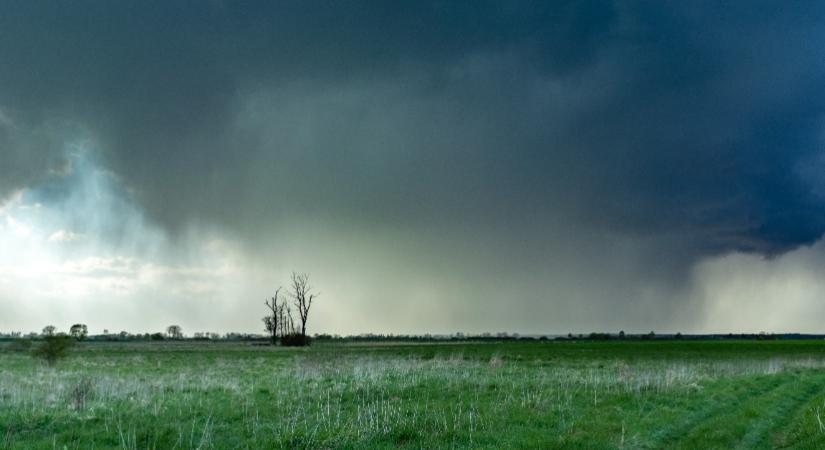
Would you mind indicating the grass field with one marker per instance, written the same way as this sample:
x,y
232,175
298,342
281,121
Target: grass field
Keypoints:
x,y
629,394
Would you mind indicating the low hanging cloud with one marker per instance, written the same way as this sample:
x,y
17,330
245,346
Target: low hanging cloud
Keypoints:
x,y
434,166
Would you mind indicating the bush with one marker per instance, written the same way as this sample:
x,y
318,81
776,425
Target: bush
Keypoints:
x,y
295,340
53,348
157,337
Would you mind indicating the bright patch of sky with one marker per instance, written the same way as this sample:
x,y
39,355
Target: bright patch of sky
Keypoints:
x,y
77,246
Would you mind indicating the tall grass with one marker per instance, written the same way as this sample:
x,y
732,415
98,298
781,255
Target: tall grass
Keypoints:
x,y
188,400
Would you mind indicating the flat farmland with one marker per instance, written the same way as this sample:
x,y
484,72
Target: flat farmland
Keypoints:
x,y
513,394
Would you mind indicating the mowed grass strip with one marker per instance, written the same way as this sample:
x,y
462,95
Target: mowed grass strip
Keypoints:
x,y
779,409
701,412
749,422
805,428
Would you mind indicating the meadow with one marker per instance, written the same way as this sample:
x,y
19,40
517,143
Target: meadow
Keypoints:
x,y
517,394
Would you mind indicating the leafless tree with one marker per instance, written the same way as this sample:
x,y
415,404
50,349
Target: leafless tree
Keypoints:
x,y
284,319
271,321
288,324
174,331
302,296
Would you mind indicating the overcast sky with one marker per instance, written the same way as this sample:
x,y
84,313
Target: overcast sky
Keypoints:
x,y
533,167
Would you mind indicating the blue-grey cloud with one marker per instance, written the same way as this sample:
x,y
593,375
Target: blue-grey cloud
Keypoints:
x,y
667,132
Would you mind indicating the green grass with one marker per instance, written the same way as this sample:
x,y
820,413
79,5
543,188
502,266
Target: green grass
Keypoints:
x,y
632,394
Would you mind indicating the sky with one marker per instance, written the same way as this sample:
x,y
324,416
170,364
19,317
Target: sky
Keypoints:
x,y
433,166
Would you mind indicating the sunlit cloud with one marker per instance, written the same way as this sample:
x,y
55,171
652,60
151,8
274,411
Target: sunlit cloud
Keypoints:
x,y
62,236
117,259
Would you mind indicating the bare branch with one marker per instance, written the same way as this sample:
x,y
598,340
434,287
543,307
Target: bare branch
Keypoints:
x,y
302,297
272,322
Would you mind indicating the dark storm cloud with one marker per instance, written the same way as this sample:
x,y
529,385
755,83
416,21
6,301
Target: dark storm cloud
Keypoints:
x,y
27,153
525,122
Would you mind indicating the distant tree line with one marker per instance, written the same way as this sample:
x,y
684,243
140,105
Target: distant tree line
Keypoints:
x,y
51,345
79,333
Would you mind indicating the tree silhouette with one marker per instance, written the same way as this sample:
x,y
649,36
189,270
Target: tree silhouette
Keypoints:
x,y
79,331
174,331
271,321
303,296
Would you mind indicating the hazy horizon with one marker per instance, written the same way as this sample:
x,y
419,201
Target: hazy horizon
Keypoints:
x,y
434,167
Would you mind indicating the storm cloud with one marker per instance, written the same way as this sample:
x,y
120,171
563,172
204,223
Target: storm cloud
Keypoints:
x,y
435,166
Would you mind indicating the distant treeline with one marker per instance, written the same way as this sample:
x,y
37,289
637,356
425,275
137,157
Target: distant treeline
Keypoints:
x,y
124,336
569,337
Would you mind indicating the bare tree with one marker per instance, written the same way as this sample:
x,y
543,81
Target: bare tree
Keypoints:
x,y
288,326
303,296
271,321
49,330
174,331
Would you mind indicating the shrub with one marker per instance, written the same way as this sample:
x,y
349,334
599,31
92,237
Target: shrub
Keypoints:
x,y
53,348
295,340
